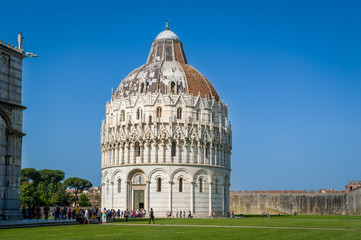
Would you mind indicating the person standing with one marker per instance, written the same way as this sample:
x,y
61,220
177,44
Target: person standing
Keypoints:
x,y
104,216
99,215
126,215
86,216
151,216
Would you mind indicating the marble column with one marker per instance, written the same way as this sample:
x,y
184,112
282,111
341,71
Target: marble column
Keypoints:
x,y
147,196
199,149
210,198
169,158
109,157
117,156
141,157
205,159
179,149
170,195
111,194
185,152
127,192
216,157
121,154
146,152
223,202
113,156
193,153
132,151
126,151
192,197
154,153
164,151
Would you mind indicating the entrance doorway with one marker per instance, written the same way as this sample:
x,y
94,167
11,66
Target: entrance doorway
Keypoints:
x,y
138,201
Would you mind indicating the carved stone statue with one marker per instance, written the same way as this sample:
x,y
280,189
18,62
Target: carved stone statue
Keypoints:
x,y
20,41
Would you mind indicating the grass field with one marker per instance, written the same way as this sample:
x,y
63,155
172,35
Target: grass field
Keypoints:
x,y
250,227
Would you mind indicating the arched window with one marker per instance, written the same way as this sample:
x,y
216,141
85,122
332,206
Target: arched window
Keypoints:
x,y
174,149
139,113
159,184
213,116
159,112
119,185
181,184
138,179
201,185
173,88
141,87
179,113
137,149
216,185
198,115
122,116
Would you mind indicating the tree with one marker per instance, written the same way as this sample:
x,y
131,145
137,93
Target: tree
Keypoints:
x,y
84,201
29,175
29,195
78,184
28,187
60,197
49,181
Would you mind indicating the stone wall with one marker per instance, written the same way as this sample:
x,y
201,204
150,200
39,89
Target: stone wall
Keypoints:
x,y
288,203
11,122
354,202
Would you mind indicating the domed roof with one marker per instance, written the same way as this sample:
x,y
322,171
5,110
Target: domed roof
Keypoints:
x,y
167,34
166,71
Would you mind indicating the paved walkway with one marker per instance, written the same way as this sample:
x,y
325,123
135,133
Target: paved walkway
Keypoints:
x,y
35,223
225,226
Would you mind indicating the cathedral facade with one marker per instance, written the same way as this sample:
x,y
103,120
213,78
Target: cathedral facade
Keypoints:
x,y
166,140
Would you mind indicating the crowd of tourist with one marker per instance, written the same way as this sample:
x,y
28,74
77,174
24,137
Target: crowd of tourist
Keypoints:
x,y
178,214
58,213
105,215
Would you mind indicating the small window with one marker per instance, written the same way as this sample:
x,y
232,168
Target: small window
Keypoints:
x,y
181,185
201,185
150,119
174,147
159,112
122,116
207,150
159,184
198,115
139,113
173,88
137,149
119,185
179,113
213,117
141,87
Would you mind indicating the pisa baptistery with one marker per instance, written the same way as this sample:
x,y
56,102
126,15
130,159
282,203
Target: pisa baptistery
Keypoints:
x,y
166,140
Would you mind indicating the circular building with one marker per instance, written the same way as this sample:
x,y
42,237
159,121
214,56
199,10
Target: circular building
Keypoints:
x,y
166,140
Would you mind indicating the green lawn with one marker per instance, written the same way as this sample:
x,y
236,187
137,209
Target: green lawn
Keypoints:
x,y
253,227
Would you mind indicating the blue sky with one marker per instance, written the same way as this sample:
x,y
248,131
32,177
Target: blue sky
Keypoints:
x,y
290,71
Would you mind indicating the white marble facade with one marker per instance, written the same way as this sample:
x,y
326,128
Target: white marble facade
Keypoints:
x,y
166,147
